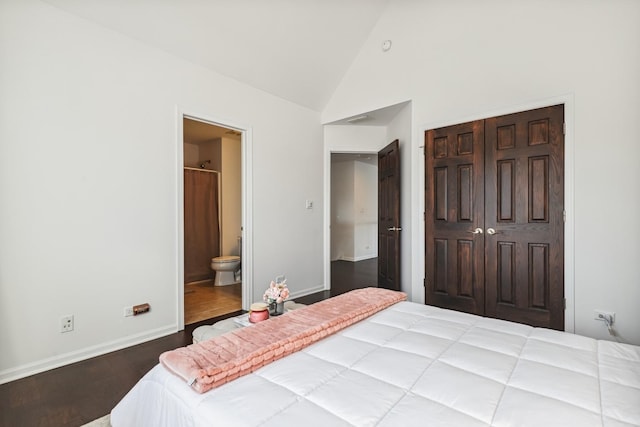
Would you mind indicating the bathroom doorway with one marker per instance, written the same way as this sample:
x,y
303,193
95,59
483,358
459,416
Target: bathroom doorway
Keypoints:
x,y
212,214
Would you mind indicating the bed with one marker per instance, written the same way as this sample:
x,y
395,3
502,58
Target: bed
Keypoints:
x,y
412,365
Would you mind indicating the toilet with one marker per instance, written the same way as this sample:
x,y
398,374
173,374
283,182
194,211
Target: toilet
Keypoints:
x,y
225,267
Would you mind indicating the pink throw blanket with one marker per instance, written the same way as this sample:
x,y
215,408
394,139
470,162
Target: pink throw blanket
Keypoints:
x,y
211,363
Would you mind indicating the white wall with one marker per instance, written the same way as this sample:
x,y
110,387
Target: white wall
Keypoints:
x,y
231,196
354,208
191,155
88,216
342,212
208,150
365,199
463,59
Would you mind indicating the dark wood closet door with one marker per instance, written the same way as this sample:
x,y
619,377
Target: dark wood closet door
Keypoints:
x,y
454,211
524,204
502,178
389,217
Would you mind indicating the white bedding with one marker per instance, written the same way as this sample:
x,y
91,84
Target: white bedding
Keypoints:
x,y
413,365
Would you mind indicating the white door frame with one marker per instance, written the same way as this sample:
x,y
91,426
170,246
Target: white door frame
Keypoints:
x,y
247,206
569,193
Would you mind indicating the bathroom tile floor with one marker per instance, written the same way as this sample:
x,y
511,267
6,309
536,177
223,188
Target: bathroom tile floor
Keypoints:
x,y
204,301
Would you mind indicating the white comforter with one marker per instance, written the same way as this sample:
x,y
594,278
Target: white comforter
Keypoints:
x,y
413,365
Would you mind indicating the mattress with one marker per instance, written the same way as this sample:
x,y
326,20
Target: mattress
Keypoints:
x,y
413,365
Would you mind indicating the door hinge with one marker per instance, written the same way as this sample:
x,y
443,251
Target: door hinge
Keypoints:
x,y
564,216
424,282
565,303
564,128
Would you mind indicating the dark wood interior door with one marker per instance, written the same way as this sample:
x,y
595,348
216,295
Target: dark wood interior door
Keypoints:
x,y
524,178
494,217
454,207
389,228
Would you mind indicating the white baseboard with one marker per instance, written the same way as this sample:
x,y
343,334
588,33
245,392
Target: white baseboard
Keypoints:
x,y
359,258
49,363
307,291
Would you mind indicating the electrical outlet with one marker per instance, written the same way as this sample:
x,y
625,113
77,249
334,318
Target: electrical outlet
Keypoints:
x,y
66,323
128,311
605,315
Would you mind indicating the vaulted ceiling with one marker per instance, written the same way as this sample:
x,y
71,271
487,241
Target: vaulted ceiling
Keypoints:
x,y
298,50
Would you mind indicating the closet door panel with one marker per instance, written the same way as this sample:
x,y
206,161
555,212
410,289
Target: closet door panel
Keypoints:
x,y
524,204
454,208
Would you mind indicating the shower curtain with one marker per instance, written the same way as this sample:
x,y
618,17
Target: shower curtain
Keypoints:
x,y
201,224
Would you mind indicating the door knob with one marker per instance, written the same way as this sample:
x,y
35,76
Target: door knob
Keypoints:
x,y
394,228
491,231
476,231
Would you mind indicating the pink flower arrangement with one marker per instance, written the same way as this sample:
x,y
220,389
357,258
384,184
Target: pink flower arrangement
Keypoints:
x,y
276,292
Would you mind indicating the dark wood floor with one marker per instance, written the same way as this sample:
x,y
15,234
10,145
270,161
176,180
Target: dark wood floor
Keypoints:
x,y
81,392
345,276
